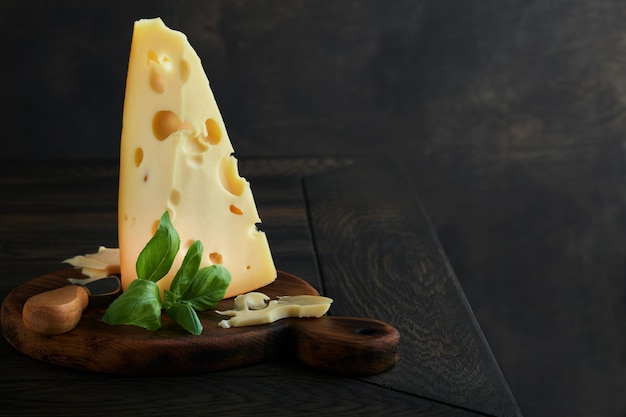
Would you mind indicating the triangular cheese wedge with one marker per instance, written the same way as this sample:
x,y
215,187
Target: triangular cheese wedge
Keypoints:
x,y
176,155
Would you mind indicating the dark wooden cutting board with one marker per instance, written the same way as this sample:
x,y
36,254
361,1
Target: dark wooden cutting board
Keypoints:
x,y
340,345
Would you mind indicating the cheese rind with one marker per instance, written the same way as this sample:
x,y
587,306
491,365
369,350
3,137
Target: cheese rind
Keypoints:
x,y
176,155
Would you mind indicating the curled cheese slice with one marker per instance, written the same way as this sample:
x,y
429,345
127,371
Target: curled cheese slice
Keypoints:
x,y
251,309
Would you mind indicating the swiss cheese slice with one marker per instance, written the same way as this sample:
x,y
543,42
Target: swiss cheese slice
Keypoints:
x,y
97,265
176,155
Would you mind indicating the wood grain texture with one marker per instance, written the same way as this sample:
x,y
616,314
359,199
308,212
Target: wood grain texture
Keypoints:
x,y
35,234
345,346
278,389
54,312
96,346
508,114
395,270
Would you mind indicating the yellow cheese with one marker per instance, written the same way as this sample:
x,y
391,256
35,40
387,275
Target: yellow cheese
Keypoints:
x,y
251,310
176,155
103,263
98,273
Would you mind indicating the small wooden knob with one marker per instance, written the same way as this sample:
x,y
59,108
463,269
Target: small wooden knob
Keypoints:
x,y
56,311
346,345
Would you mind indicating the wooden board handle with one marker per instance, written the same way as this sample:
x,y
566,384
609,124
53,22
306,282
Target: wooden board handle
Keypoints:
x,y
346,345
56,311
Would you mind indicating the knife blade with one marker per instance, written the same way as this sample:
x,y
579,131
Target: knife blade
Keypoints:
x,y
101,286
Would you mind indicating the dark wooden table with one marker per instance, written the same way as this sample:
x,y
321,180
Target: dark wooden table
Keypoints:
x,y
351,227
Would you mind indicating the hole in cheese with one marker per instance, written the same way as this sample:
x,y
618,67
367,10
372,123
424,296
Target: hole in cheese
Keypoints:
x,y
156,82
235,210
195,161
186,126
175,197
184,71
164,123
214,133
195,145
229,176
164,61
155,226
152,56
138,157
215,257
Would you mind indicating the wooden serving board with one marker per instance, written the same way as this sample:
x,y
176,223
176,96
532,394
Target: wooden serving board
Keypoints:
x,y
340,345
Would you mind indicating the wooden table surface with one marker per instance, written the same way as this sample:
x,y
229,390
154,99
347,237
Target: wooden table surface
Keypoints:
x,y
351,227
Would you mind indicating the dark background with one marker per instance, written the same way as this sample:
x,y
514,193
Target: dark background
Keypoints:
x,y
509,116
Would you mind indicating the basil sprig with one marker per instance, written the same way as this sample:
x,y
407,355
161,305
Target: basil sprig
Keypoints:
x,y
156,259
192,289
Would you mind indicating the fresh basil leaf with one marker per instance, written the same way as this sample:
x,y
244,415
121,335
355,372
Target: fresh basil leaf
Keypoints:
x,y
207,287
187,270
157,257
139,305
184,314
169,299
192,289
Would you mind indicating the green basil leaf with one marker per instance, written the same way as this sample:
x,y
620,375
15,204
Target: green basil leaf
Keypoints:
x,y
139,305
169,299
207,287
184,314
192,289
157,257
187,270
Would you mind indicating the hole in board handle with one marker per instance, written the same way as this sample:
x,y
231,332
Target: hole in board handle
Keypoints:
x,y
366,331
